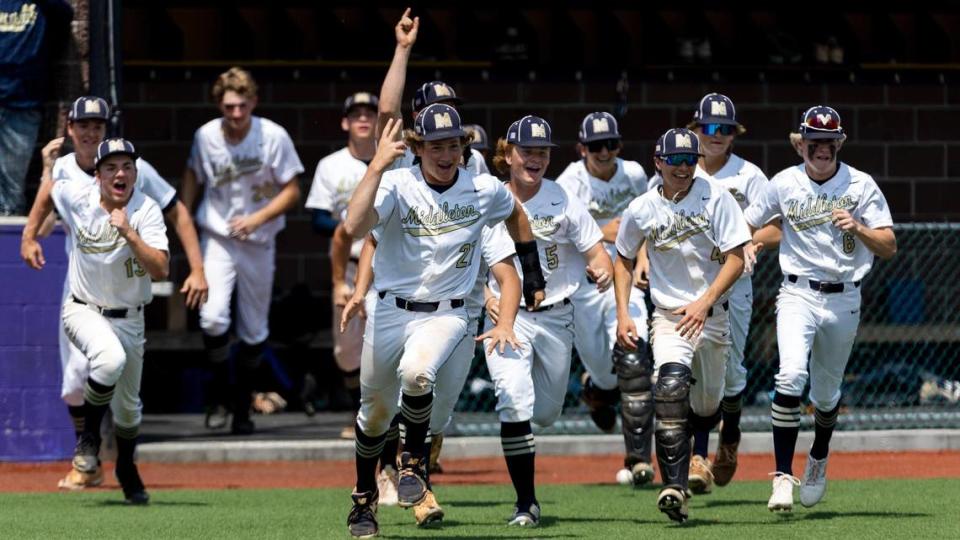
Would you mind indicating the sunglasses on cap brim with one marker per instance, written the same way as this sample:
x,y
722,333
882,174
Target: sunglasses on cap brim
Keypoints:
x,y
718,129
675,160
598,146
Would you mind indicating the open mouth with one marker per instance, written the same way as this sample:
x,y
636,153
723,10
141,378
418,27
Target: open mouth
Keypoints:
x,y
445,167
533,169
682,175
119,187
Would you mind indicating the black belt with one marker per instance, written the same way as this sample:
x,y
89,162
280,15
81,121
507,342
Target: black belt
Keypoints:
x,y
823,286
112,313
421,307
541,309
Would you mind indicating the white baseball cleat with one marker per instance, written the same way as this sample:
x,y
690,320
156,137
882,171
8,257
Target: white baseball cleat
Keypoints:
x,y
814,481
387,486
781,500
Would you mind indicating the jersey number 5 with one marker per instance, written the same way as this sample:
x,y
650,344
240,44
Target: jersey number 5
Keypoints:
x,y
717,255
133,268
553,261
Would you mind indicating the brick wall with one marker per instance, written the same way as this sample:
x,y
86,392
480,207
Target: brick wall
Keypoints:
x,y
33,419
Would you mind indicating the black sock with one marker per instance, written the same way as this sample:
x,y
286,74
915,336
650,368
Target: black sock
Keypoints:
x,y
96,399
248,362
519,449
392,444
351,381
730,409
416,419
368,454
218,352
126,444
785,414
77,417
825,422
702,425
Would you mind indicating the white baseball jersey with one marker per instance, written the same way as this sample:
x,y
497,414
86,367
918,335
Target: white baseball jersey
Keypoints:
x,y
686,239
240,179
336,178
149,182
427,239
103,269
812,246
743,179
605,199
476,164
495,246
564,231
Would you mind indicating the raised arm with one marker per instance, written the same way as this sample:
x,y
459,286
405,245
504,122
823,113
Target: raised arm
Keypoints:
x,y
391,93
361,215
30,250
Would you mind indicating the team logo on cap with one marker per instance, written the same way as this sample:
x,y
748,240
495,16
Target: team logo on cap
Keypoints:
x,y
361,97
825,119
682,140
441,90
718,108
115,145
538,130
601,125
92,106
442,120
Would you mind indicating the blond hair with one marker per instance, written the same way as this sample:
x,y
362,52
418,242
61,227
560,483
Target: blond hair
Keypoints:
x,y
500,156
693,124
236,80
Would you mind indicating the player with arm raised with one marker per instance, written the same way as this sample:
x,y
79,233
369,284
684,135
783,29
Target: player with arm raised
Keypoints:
x,y
835,222
685,221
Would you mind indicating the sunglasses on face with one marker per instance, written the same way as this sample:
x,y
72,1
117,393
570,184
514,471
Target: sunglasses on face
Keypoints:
x,y
675,160
597,146
718,129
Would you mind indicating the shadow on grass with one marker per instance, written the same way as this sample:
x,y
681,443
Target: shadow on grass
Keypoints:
x,y
152,503
716,503
786,518
894,515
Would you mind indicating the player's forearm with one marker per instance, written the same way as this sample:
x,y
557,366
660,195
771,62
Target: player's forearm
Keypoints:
x,y
518,225
361,217
391,93
155,261
599,260
365,268
188,189
610,231
730,272
42,207
340,245
183,224
288,198
882,242
622,283
510,291
770,235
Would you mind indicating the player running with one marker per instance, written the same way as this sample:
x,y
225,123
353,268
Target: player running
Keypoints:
x,y
695,235
607,184
836,220
429,220
531,382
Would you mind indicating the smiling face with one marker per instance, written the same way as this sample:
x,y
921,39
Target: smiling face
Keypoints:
x,y
116,175
86,135
677,178
358,123
439,159
601,157
528,164
713,145
820,156
237,112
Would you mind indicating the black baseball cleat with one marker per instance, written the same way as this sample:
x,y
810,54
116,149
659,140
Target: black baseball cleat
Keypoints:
x,y
129,478
601,404
412,486
85,453
362,521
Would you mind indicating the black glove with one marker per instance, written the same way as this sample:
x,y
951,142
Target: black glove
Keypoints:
x,y
533,280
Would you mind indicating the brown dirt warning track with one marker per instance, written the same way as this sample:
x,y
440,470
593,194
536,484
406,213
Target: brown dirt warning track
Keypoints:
x,y
43,477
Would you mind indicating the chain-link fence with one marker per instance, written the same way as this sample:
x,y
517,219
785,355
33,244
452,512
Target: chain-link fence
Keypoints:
x,y
904,371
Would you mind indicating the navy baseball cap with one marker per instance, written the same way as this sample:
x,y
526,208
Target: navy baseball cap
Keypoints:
x,y
480,140
438,121
658,148
679,141
113,147
598,126
360,98
89,108
531,132
433,92
821,122
715,108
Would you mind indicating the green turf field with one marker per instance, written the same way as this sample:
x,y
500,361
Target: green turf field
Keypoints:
x,y
852,509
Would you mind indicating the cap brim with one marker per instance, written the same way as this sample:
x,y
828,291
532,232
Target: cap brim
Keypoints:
x,y
810,134
718,120
444,99
601,138
87,117
445,134
678,153
133,155
537,144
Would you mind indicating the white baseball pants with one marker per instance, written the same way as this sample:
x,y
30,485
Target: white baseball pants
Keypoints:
x,y
247,266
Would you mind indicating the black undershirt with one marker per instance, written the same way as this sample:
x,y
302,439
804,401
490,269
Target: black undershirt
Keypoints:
x,y
441,188
822,182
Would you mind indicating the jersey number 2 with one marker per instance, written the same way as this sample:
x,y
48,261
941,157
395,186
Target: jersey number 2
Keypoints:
x,y
464,260
133,268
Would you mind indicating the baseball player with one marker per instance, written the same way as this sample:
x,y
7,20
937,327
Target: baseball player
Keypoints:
x,y
480,142
695,235
607,184
86,126
247,167
531,382
119,245
336,177
430,217
835,221
715,123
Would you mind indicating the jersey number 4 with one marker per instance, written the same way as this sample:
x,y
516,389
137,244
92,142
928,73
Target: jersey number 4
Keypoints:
x,y
133,268
717,255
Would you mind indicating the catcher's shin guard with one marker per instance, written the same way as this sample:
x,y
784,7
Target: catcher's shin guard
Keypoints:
x,y
636,402
672,406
